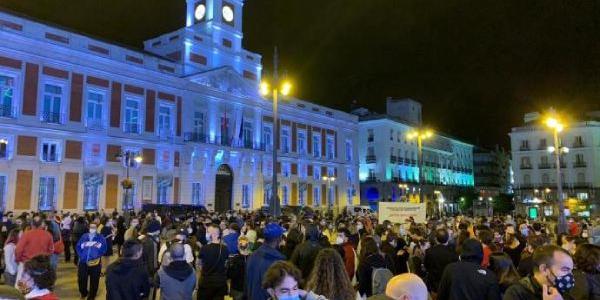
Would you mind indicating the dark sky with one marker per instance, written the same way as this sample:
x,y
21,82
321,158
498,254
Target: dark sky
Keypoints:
x,y
476,66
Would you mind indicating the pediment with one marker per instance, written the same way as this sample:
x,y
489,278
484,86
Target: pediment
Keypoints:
x,y
227,80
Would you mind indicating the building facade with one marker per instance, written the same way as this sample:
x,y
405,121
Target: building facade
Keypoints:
x,y
389,168
492,171
73,106
535,168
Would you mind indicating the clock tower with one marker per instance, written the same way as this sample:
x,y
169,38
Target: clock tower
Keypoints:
x,y
212,38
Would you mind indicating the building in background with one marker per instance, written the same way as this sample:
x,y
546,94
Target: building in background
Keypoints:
x,y
188,105
493,177
535,168
389,168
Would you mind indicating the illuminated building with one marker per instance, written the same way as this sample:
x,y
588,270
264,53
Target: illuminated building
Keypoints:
x,y
388,159
188,105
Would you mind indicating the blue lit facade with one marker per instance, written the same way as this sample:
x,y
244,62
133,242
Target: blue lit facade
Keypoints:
x,y
188,106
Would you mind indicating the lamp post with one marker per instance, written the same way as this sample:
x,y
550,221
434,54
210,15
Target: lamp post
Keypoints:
x,y
556,126
128,157
283,88
329,180
420,135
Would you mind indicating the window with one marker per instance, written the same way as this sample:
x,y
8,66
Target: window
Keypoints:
x,y
330,147
94,110
266,137
580,178
267,194
370,135
163,187
3,182
225,130
582,196
331,196
197,193
165,126
7,86
199,126
391,134
285,193
316,145
524,145
286,169
302,195
525,162
47,193
50,151
52,104
247,135
371,173
579,159
91,190
132,116
285,140
370,151
526,179
348,150
3,148
246,193
543,144
316,196
301,142
578,141
316,173
545,179
302,170
129,198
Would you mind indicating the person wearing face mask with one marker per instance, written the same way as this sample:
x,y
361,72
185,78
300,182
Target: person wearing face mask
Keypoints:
x,y
131,232
212,259
437,258
236,269
261,259
282,282
90,249
164,257
349,253
552,277
127,278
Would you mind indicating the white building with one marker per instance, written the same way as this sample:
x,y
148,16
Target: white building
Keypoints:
x,y
388,160
188,104
535,168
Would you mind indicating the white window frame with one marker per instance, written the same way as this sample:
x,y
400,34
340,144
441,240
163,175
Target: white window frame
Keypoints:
x,y
247,133
140,116
246,196
165,132
201,124
267,128
93,123
316,145
133,151
58,154
349,154
98,189
301,143
54,194
17,88
167,194
285,139
316,196
330,146
317,173
64,100
197,193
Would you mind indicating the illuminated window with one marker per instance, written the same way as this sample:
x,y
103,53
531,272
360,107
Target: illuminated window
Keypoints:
x,y
246,193
95,109
51,105
285,193
197,193
348,150
50,151
7,85
316,196
301,142
47,193
165,121
317,145
266,138
285,139
132,116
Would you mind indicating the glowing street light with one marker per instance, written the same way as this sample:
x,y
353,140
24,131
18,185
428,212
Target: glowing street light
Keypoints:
x,y
556,126
420,134
329,180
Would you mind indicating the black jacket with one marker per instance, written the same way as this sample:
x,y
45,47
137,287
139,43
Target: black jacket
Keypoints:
x,y
127,280
527,289
587,286
436,260
364,272
304,256
236,269
466,280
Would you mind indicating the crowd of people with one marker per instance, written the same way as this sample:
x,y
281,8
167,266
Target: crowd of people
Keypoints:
x,y
309,255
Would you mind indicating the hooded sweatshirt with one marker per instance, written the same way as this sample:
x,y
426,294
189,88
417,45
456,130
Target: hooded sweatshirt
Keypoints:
x,y
176,281
256,267
127,279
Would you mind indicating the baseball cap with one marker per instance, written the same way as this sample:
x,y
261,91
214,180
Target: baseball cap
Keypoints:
x,y
272,231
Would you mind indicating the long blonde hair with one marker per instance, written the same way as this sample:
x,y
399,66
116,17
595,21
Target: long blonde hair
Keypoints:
x,y
329,278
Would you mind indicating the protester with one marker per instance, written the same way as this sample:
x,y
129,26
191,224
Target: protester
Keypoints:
x,y
38,279
282,282
90,249
305,254
502,266
231,239
466,279
552,276
177,280
150,245
212,259
437,258
586,273
261,259
10,262
65,227
372,260
236,269
33,242
329,278
127,278
349,252
79,229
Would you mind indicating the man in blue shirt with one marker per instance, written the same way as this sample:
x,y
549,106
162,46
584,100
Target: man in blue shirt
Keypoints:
x,y
90,248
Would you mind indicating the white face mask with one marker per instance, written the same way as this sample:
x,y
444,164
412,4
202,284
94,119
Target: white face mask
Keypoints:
x,y
208,237
189,230
339,240
93,230
359,226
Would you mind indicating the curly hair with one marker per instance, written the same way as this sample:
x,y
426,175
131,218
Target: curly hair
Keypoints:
x,y
40,270
329,278
587,258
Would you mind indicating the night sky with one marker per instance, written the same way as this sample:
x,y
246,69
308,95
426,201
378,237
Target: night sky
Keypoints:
x,y
476,66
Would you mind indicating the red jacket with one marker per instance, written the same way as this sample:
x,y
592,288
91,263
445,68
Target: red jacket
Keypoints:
x,y
33,243
349,259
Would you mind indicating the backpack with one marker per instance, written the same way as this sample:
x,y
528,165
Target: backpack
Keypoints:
x,y
379,280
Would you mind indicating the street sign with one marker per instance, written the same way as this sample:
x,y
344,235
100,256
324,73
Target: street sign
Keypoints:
x,y
398,212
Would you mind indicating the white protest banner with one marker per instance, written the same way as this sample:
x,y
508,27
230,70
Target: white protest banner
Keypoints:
x,y
398,212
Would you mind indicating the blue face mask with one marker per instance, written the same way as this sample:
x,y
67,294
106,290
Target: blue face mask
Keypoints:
x,y
288,297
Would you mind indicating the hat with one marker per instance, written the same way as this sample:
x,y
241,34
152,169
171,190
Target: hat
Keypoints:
x,y
153,226
471,248
273,231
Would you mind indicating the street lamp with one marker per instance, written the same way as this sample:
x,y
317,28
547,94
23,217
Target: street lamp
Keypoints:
x,y
556,126
420,135
128,157
329,180
284,88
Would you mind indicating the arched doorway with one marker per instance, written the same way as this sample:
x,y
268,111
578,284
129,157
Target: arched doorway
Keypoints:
x,y
223,188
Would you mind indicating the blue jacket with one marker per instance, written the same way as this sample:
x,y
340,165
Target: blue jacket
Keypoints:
x,y
256,267
90,248
231,241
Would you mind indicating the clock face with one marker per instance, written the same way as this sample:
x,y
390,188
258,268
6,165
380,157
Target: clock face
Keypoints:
x,y
227,13
200,12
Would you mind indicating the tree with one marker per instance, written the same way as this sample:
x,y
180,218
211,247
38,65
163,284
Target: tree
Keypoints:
x,y
503,204
466,201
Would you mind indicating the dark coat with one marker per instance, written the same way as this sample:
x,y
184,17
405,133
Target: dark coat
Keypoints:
x,y
587,286
527,289
466,280
436,260
364,272
127,280
304,256
256,267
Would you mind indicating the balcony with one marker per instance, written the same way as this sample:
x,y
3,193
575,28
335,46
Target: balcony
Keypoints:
x,y
51,117
543,146
393,159
371,159
524,148
563,165
195,137
7,111
165,134
400,160
95,124
544,166
580,164
578,144
131,128
526,167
